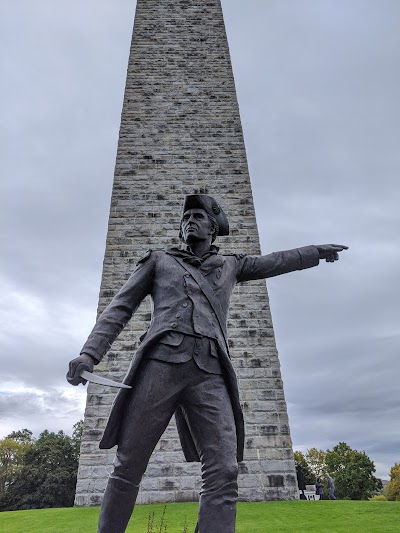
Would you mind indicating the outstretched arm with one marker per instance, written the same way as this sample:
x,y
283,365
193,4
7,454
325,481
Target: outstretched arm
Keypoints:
x,y
277,263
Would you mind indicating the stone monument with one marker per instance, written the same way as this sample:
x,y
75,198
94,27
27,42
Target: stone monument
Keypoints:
x,y
181,134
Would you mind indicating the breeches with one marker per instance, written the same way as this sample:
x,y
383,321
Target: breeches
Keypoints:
x,y
205,402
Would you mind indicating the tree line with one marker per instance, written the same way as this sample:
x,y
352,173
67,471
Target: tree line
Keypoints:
x,y
39,473
42,472
352,471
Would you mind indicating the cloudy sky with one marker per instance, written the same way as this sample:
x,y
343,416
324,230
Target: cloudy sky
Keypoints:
x,y
318,85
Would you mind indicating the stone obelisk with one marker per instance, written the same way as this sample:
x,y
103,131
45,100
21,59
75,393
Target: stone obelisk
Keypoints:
x,y
181,134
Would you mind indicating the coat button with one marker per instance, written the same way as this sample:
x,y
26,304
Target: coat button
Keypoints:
x,y
185,304
174,324
178,315
186,275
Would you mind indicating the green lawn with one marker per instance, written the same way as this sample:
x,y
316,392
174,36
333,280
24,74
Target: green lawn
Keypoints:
x,y
269,517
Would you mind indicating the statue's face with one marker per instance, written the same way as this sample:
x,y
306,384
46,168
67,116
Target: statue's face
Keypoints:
x,y
196,226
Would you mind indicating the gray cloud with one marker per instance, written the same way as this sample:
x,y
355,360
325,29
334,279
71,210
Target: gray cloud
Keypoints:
x,y
319,101
51,409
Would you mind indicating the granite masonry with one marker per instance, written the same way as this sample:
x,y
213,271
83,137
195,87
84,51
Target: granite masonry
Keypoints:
x,y
181,134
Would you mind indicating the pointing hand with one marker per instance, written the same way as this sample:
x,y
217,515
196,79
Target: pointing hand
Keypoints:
x,y
330,252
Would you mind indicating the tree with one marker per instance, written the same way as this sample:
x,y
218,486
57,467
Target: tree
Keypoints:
x,y
24,436
353,473
316,462
47,477
392,489
302,465
11,457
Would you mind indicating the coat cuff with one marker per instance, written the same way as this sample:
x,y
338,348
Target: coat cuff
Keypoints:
x,y
309,256
96,346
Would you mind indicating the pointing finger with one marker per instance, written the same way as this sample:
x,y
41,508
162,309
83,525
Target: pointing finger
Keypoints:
x,y
339,247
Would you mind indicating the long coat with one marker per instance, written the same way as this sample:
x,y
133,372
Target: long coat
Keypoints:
x,y
180,305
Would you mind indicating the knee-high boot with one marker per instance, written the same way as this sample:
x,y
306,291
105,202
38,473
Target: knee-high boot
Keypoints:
x,y
118,503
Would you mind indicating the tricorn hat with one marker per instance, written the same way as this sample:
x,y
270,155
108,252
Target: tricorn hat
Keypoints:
x,y
210,206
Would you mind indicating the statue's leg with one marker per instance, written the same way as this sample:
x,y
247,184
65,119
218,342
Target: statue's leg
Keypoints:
x,y
118,503
210,417
150,408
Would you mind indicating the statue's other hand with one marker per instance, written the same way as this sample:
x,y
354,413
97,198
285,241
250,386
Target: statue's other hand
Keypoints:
x,y
77,366
330,252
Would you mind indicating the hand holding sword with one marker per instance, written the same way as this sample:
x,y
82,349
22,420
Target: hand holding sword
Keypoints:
x,y
81,370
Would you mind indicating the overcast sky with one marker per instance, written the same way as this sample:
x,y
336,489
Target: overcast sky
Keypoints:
x,y
318,87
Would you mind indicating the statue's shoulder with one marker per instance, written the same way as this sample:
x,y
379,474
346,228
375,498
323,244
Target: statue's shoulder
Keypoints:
x,y
151,252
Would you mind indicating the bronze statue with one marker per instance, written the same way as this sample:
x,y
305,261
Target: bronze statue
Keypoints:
x,y
182,366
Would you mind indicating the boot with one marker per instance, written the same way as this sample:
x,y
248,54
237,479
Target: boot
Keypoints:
x,y
117,507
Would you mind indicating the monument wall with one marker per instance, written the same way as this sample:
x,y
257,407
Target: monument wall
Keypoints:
x,y
181,134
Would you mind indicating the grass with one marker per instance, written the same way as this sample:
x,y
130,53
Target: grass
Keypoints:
x,y
267,517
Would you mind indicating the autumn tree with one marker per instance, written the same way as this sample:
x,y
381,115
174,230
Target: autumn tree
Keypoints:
x,y
392,489
47,475
11,458
316,462
353,473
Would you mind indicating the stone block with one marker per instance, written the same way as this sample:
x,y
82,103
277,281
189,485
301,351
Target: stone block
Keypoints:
x,y
186,496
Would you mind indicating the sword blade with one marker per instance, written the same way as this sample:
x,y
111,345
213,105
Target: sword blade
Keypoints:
x,y
93,378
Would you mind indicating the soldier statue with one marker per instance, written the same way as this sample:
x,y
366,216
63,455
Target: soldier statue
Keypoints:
x,y
182,366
